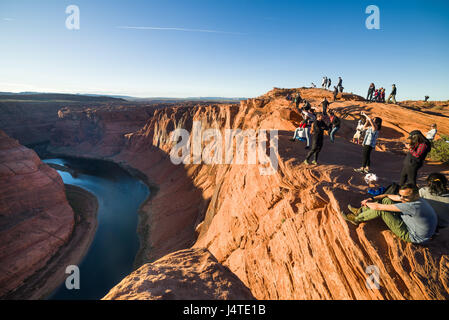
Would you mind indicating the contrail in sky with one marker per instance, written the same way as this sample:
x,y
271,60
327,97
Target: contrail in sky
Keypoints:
x,y
179,29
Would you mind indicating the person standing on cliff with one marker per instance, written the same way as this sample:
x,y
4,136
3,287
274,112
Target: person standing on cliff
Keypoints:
x,y
371,89
334,125
329,81
298,99
317,132
418,148
392,95
372,128
340,84
410,218
335,93
325,104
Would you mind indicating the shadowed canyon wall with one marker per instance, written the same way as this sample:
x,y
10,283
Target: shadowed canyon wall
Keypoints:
x,y
35,217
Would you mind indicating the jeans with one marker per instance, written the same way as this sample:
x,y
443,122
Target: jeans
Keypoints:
x,y
307,129
332,134
392,219
307,134
296,133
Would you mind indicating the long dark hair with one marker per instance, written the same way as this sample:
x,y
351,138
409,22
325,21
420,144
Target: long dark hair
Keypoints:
x,y
378,122
437,183
416,139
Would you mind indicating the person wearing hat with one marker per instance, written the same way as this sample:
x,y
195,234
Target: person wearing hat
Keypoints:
x,y
392,95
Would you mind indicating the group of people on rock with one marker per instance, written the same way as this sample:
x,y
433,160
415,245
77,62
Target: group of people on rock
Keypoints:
x,y
378,95
314,124
326,84
412,214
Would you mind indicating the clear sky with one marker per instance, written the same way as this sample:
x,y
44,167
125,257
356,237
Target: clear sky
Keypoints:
x,y
227,48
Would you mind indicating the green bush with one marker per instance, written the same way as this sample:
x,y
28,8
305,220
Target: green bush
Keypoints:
x,y
440,150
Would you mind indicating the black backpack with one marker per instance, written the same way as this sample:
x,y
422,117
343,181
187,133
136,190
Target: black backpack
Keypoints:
x,y
393,188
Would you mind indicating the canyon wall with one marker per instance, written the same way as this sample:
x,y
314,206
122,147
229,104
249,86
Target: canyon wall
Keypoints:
x,y
35,217
281,234
30,118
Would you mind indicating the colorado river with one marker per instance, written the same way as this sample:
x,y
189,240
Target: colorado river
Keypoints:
x,y
111,255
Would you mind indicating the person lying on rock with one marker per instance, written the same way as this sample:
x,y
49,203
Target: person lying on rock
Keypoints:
x,y
410,218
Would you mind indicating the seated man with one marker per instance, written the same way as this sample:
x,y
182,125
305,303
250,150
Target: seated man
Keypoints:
x,y
410,218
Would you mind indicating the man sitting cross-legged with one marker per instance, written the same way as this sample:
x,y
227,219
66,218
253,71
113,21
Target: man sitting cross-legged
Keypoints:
x,y
410,218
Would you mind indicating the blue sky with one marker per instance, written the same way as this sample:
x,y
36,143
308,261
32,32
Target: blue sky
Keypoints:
x,y
226,48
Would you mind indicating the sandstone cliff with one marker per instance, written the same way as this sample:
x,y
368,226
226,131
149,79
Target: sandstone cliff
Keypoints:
x,y
281,234
35,217
185,274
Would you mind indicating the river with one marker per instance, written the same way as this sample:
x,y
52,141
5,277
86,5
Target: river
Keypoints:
x,y
113,250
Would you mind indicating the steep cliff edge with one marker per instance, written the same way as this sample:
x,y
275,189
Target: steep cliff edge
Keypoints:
x,y
185,274
35,217
282,234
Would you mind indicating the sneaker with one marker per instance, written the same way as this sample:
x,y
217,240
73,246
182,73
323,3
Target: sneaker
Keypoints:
x,y
307,147
314,162
350,218
365,170
359,170
305,162
355,211
292,139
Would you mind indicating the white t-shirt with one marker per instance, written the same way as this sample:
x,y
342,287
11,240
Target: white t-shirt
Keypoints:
x,y
431,134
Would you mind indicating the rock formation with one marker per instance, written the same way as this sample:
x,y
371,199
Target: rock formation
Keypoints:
x,y
185,274
35,217
280,234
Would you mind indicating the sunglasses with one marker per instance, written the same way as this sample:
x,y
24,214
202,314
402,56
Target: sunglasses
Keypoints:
x,y
406,197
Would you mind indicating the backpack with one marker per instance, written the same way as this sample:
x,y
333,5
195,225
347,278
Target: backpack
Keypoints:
x,y
392,189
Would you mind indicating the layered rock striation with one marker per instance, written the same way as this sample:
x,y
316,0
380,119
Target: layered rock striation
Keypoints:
x,y
35,217
280,234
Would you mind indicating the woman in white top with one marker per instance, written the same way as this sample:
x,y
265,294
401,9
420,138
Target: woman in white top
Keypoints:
x,y
359,131
432,133
369,142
